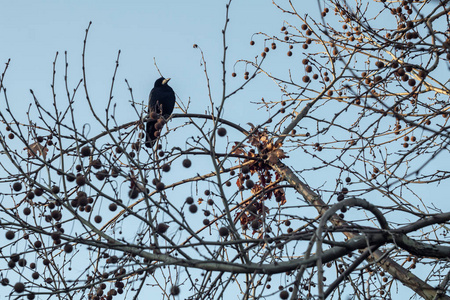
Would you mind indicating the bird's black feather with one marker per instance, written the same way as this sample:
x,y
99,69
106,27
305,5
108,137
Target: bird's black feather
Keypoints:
x,y
162,102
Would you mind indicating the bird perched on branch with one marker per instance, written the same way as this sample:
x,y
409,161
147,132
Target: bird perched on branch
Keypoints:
x,y
160,104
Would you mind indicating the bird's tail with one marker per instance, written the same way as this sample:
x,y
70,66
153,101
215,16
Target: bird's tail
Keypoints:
x,y
150,130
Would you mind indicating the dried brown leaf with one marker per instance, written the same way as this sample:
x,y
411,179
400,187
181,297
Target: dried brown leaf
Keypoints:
x,y
275,155
36,148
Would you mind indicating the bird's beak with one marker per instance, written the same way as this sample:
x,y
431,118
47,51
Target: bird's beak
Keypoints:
x,y
165,81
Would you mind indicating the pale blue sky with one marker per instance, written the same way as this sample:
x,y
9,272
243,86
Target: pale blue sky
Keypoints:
x,y
32,31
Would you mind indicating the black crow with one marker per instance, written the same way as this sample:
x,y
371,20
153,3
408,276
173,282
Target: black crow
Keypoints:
x,y
161,101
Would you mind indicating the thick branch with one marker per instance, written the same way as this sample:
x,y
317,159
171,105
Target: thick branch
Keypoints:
x,y
397,271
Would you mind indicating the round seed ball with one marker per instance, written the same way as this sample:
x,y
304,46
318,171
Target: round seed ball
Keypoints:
x,y
85,151
221,131
19,287
160,186
17,186
193,208
223,231
189,200
165,167
98,219
187,163
10,235
284,294
112,207
175,290
68,248
162,227
26,211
